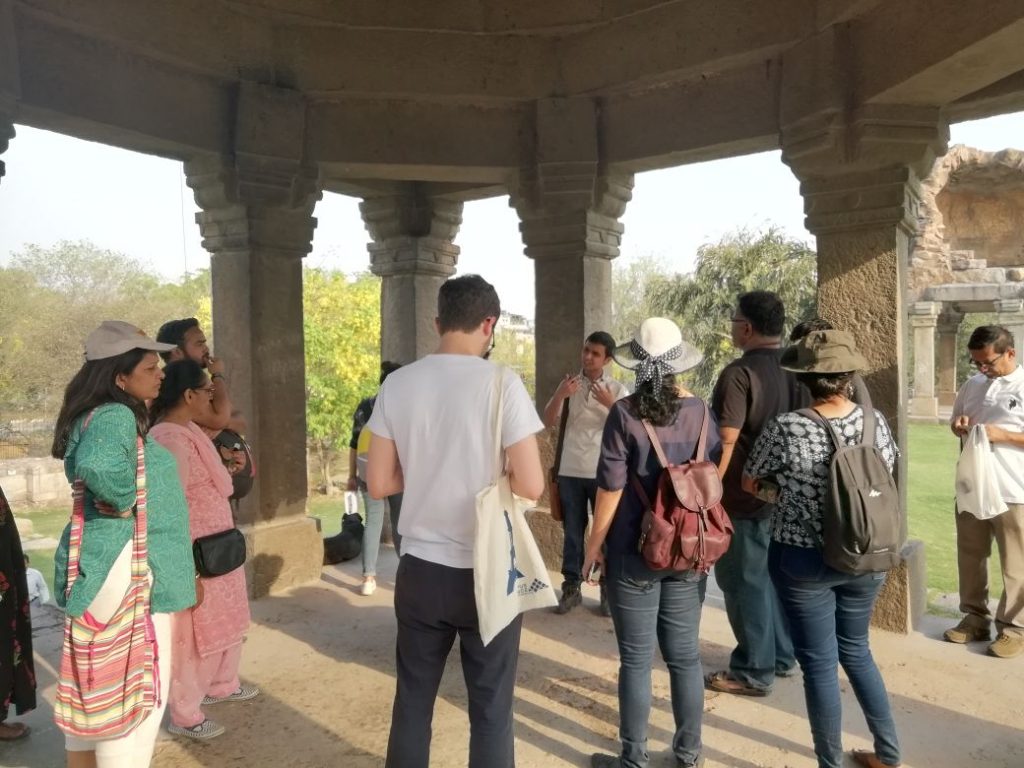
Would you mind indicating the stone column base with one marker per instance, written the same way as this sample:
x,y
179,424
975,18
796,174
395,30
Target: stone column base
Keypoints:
x,y
904,597
282,554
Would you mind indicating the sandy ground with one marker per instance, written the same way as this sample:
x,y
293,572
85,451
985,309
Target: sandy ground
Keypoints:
x,y
323,656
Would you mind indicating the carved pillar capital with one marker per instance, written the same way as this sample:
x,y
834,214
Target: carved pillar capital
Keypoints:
x,y
412,233
568,210
246,203
925,314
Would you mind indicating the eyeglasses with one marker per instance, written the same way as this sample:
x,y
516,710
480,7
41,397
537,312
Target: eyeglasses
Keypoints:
x,y
987,365
208,389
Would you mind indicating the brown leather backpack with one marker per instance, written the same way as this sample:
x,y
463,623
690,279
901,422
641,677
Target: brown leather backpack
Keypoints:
x,y
685,527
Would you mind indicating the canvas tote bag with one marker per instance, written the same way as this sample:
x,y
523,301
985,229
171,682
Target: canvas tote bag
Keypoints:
x,y
977,490
509,575
109,678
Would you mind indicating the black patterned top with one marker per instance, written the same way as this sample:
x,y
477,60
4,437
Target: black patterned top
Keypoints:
x,y
797,452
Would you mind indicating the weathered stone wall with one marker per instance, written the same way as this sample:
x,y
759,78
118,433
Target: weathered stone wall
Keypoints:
x,y
970,221
34,481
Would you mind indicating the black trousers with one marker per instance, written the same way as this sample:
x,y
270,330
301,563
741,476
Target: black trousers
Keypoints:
x,y
433,604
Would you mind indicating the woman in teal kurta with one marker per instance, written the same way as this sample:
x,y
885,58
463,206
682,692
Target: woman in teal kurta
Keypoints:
x,y
103,415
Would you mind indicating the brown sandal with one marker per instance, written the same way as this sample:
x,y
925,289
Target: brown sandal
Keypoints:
x,y
724,682
869,759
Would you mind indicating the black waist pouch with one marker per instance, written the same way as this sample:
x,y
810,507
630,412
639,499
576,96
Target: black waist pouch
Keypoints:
x,y
219,553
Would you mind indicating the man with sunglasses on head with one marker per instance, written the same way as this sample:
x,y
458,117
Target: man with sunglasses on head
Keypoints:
x,y
994,397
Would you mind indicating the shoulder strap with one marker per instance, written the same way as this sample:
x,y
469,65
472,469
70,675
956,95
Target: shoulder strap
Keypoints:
x,y
700,451
499,405
817,418
561,435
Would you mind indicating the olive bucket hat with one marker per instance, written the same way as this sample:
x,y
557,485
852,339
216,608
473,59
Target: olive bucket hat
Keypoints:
x,y
823,352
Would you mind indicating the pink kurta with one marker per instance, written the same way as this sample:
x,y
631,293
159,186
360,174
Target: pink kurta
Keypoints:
x,y
208,638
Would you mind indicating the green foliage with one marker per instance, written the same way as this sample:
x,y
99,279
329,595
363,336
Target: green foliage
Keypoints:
x,y
50,298
702,301
635,286
342,330
518,351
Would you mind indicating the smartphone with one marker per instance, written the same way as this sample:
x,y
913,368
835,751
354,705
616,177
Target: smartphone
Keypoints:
x,y
768,490
595,573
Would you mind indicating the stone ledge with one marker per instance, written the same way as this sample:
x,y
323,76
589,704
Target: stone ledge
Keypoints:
x,y
282,554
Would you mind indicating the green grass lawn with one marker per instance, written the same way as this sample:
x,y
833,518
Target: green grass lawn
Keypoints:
x,y
932,453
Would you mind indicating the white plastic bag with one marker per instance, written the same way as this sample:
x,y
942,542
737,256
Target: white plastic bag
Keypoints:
x,y
977,490
509,575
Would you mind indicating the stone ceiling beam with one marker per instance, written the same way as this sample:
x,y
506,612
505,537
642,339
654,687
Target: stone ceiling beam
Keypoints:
x,y
731,114
94,91
997,99
681,40
956,50
404,140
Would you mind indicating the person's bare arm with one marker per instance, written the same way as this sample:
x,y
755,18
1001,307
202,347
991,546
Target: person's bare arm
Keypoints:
x,y
1004,436
729,437
383,469
526,475
237,423
553,410
605,507
220,411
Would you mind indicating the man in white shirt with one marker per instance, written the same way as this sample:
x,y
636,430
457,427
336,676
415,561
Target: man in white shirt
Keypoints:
x,y
433,436
588,395
38,592
993,397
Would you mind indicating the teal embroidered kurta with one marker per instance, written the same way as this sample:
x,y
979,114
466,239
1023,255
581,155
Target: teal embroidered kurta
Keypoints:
x,y
104,457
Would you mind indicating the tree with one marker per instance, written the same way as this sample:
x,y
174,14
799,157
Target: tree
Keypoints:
x,y
635,284
702,301
50,298
341,318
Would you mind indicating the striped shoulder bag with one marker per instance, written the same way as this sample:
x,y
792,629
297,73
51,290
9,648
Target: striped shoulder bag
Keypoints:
x,y
109,673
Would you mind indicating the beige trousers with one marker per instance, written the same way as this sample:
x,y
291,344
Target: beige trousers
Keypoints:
x,y
974,539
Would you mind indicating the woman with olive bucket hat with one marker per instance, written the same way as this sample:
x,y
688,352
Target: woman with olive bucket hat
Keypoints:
x,y
649,606
828,610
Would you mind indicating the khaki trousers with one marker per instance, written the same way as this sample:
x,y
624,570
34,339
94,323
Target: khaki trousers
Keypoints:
x,y
974,547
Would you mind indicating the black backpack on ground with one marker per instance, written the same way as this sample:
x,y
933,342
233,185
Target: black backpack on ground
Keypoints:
x,y
861,517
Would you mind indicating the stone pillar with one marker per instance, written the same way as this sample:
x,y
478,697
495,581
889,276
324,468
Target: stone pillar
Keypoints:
x,y
924,316
1011,316
257,223
6,134
413,252
948,326
860,174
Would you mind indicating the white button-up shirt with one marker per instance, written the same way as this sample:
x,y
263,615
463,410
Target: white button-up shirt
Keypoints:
x,y
999,402
584,428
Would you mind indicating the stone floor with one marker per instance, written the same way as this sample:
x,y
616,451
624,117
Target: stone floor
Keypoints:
x,y
323,656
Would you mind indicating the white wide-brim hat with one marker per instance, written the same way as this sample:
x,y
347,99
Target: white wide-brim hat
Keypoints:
x,y
660,339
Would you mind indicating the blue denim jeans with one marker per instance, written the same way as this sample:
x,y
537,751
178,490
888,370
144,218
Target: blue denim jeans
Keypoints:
x,y
395,511
373,524
576,493
829,613
763,644
656,609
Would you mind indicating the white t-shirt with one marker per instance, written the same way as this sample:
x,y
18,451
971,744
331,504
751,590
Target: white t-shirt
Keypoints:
x,y
999,402
439,411
37,586
583,430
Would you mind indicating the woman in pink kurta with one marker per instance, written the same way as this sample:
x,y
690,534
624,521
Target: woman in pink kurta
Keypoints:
x,y
207,638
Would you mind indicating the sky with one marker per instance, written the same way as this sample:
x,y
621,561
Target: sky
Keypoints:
x,y
61,188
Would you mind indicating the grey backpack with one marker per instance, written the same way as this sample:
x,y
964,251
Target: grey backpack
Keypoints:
x,y
861,518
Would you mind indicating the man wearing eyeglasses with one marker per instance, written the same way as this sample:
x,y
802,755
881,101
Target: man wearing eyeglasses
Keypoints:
x,y
994,397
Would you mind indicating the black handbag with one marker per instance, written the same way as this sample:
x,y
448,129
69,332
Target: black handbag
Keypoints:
x,y
219,553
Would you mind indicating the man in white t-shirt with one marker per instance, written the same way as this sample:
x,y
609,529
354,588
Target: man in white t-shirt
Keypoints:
x,y
433,437
994,397
587,395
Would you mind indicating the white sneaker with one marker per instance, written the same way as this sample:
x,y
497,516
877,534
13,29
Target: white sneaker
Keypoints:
x,y
369,586
205,730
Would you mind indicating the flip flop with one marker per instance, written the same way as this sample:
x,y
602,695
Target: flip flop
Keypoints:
x,y
869,759
723,682
20,731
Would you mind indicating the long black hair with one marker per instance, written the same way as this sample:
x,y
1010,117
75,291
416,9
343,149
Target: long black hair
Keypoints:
x,y
661,407
94,385
179,377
